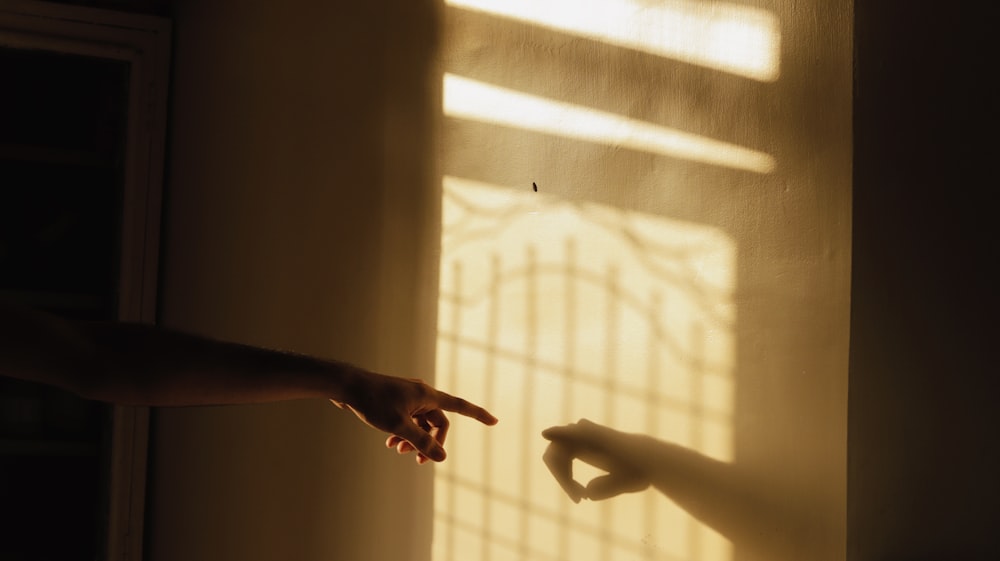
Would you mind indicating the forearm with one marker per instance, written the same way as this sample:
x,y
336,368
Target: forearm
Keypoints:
x,y
139,364
144,365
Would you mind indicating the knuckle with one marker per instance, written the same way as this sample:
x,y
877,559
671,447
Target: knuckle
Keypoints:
x,y
421,389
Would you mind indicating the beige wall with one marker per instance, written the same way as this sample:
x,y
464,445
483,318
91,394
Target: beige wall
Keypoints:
x,y
302,202
284,120
762,339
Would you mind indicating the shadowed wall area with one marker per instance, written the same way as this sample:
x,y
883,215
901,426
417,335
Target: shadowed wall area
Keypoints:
x,y
301,145
923,417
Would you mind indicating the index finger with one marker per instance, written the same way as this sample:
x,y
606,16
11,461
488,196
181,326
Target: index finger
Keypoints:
x,y
458,405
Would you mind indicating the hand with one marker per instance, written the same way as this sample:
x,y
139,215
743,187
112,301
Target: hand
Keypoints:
x,y
601,447
412,412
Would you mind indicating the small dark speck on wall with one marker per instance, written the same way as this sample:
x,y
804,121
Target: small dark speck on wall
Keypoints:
x,y
533,186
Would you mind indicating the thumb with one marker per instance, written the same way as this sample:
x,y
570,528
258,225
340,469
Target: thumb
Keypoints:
x,y
422,441
614,484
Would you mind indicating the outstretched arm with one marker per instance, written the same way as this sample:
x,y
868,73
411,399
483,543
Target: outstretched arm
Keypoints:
x,y
749,509
144,365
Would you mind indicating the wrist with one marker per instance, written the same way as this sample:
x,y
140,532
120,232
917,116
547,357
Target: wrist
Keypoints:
x,y
346,384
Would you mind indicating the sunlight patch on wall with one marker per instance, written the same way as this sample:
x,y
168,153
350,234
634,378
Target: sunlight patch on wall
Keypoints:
x,y
478,101
553,310
733,38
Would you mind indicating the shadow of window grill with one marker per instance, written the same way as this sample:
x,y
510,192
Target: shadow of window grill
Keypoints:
x,y
553,310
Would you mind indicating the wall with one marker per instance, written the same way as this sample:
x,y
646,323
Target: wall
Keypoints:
x,y
290,123
923,450
682,273
303,185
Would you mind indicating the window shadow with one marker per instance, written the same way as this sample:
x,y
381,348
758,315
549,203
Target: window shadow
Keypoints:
x,y
699,305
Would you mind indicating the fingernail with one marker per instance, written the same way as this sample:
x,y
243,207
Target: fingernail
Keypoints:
x,y
438,454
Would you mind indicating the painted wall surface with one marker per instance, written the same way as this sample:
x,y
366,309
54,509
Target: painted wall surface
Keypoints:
x,y
646,223
290,121
923,448
693,203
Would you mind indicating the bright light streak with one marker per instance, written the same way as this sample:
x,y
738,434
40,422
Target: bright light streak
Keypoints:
x,y
478,101
742,40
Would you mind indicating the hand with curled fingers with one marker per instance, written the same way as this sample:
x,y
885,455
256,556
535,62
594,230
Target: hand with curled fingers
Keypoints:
x,y
617,453
411,411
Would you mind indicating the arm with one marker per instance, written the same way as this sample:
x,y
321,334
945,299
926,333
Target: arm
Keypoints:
x,y
749,509
144,365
